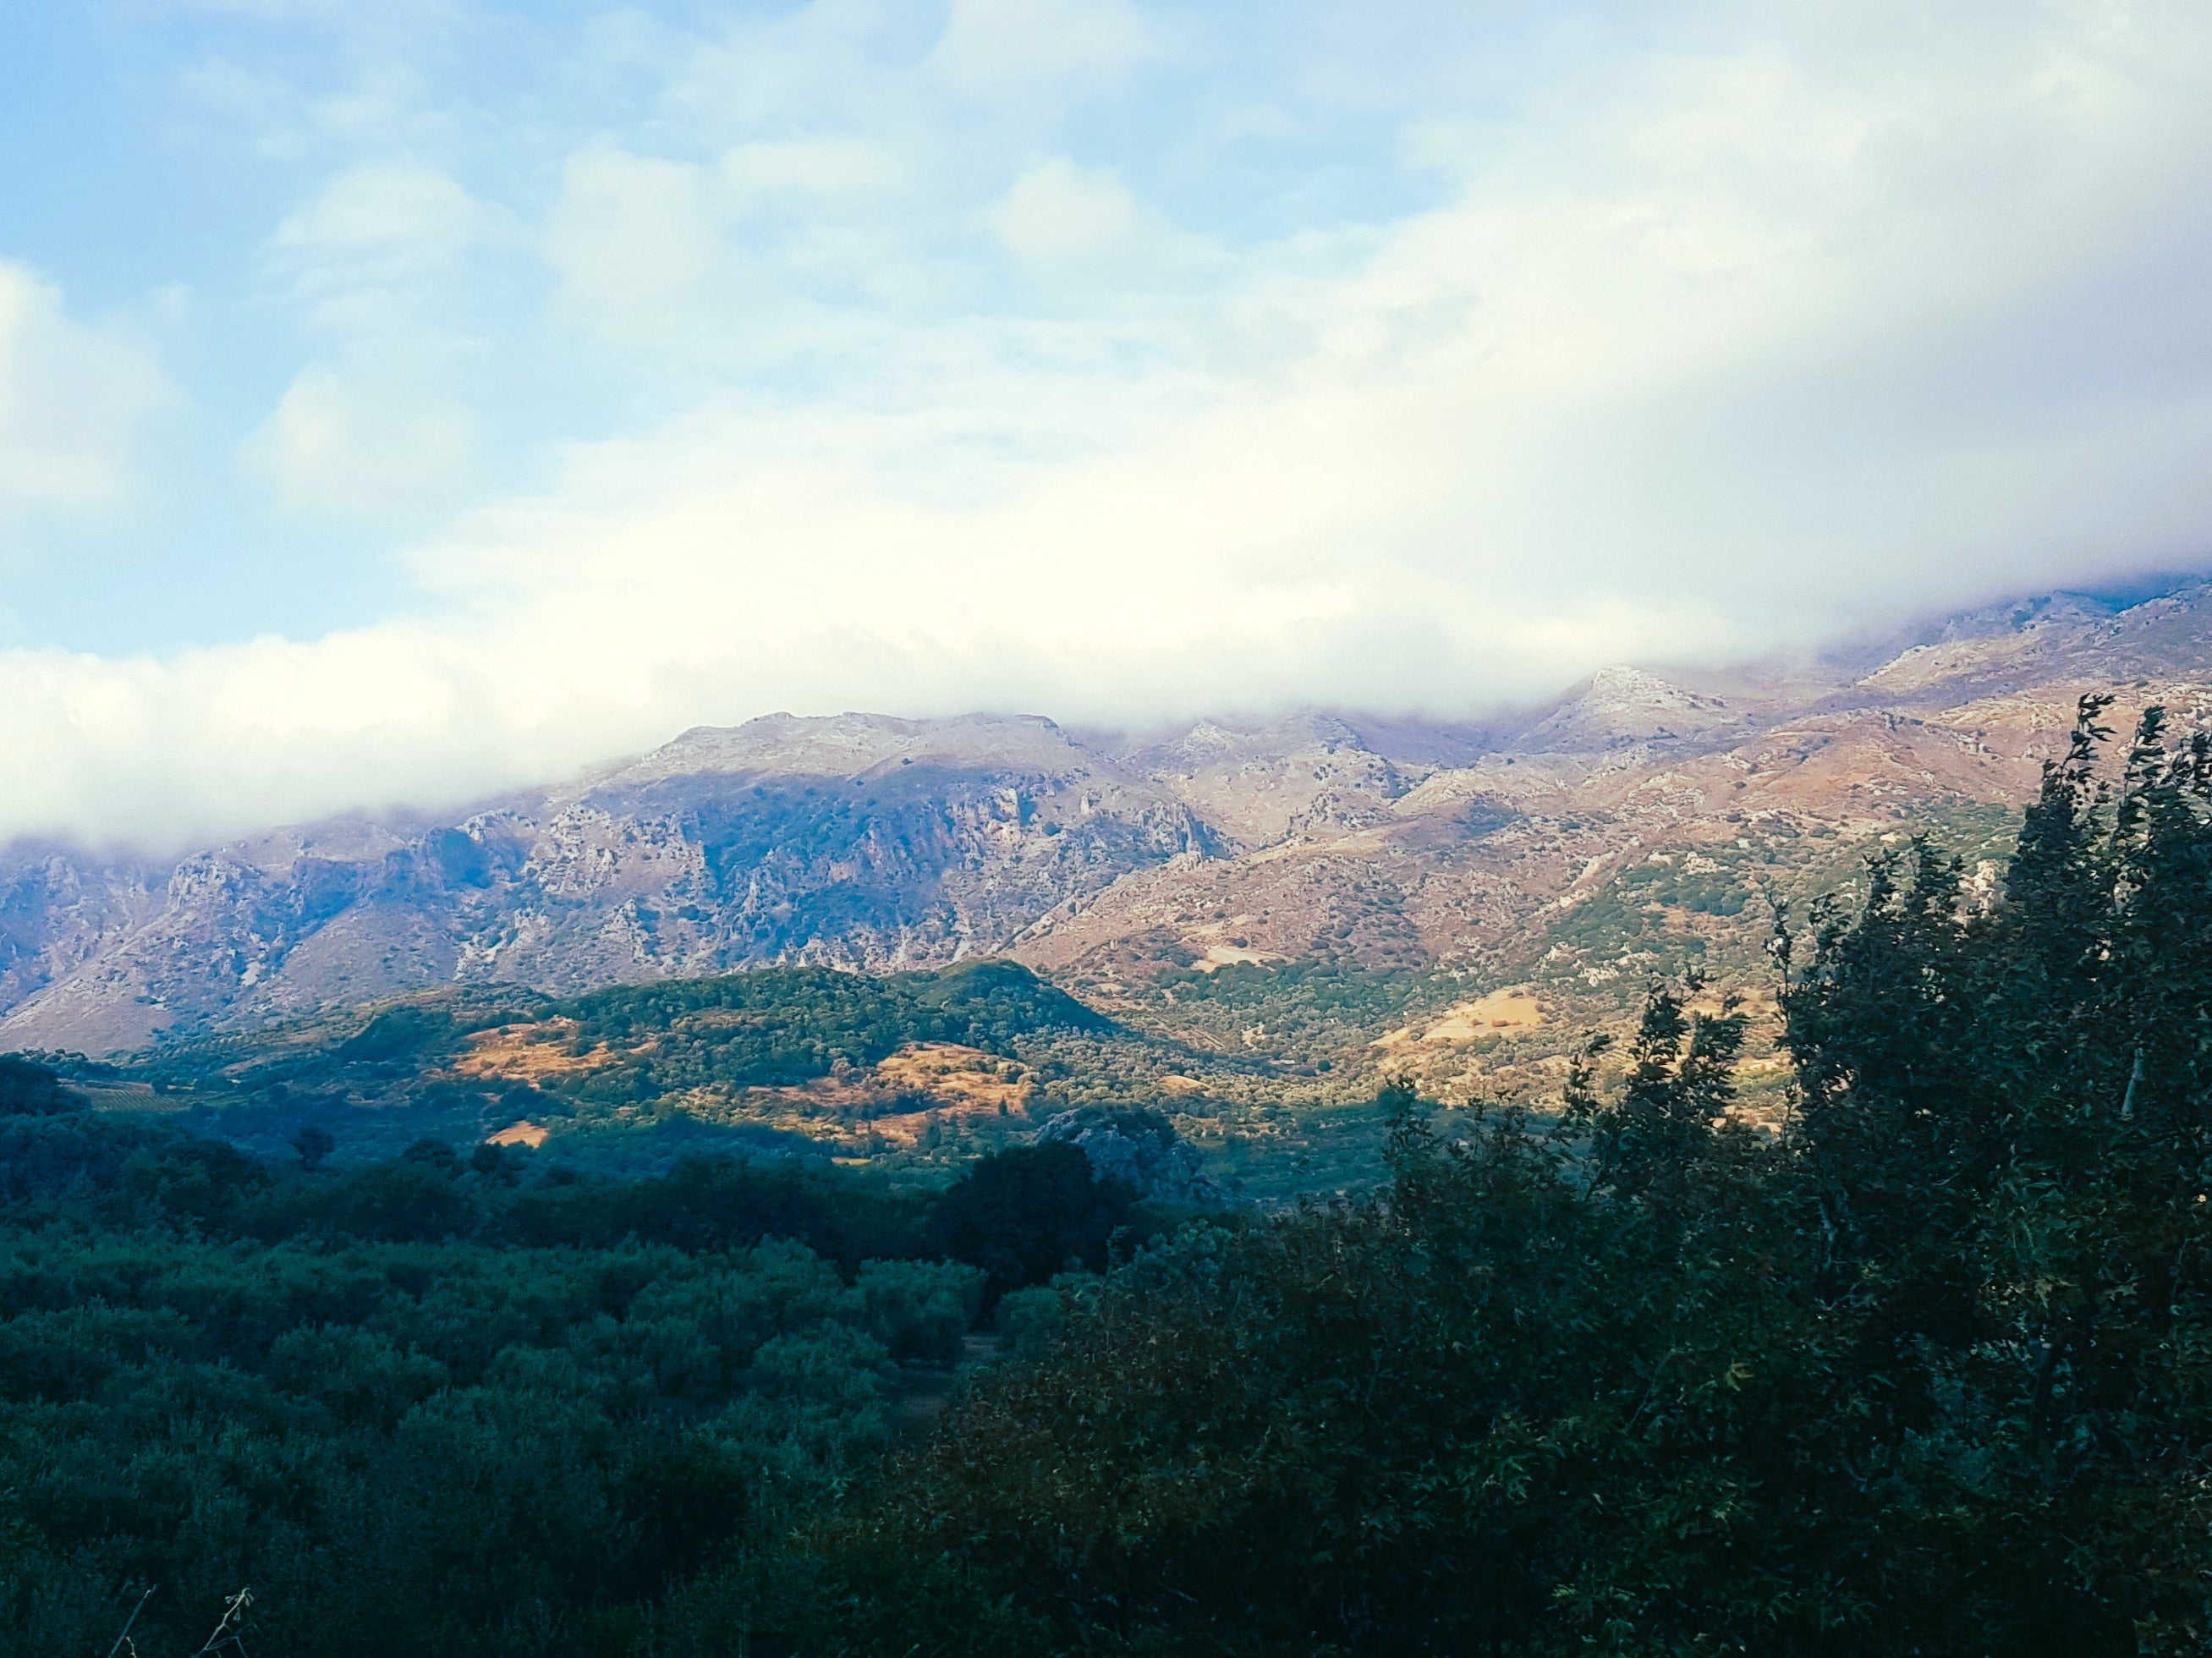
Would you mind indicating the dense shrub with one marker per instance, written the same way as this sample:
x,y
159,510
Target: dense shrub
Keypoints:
x,y
422,1447
1022,1215
29,1089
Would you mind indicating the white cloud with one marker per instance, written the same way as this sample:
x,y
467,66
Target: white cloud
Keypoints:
x,y
353,449
382,262
398,212
1061,216
1028,47
382,247
830,167
633,240
72,396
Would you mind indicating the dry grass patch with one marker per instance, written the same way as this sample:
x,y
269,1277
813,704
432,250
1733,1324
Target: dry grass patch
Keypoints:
x,y
1512,1012
960,1078
530,1053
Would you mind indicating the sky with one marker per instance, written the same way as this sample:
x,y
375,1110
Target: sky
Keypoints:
x,y
401,403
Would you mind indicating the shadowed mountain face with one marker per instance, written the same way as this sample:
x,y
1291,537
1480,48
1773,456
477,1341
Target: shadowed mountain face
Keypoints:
x,y
857,841
866,841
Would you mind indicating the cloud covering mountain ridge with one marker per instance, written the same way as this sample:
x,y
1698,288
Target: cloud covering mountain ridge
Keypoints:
x,y
867,841
531,386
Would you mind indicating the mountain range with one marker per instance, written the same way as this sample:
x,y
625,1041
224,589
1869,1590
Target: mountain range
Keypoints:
x,y
1634,818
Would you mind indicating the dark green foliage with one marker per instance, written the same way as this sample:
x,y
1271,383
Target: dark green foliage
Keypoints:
x,y
685,1501
44,1159
716,1203
431,1405
784,1025
417,1448
1397,1426
1676,1094
1025,1214
996,1000
409,1201
2007,1135
677,1053
1312,1009
402,1032
313,1143
28,1089
1317,991
205,1186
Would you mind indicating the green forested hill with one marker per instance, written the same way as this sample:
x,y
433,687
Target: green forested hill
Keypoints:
x,y
780,1058
773,1026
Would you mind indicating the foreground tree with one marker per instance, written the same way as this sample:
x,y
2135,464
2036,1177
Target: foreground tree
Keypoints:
x,y
1025,1214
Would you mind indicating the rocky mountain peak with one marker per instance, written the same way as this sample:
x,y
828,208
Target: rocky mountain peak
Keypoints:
x,y
1215,743
1306,773
846,744
1618,706
2025,616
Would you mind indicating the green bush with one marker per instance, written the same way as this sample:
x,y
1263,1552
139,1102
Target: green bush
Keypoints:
x,y
1025,1214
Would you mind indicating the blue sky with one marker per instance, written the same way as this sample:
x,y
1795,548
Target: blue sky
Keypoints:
x,y
387,212
398,403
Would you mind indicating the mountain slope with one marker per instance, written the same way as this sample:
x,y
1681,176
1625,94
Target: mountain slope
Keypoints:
x,y
856,840
862,840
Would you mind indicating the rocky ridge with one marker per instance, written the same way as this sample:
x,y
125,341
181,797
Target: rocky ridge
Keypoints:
x,y
863,840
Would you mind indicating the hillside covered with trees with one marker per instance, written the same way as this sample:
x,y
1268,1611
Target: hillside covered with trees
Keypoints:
x,y
1927,1370
1926,1373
